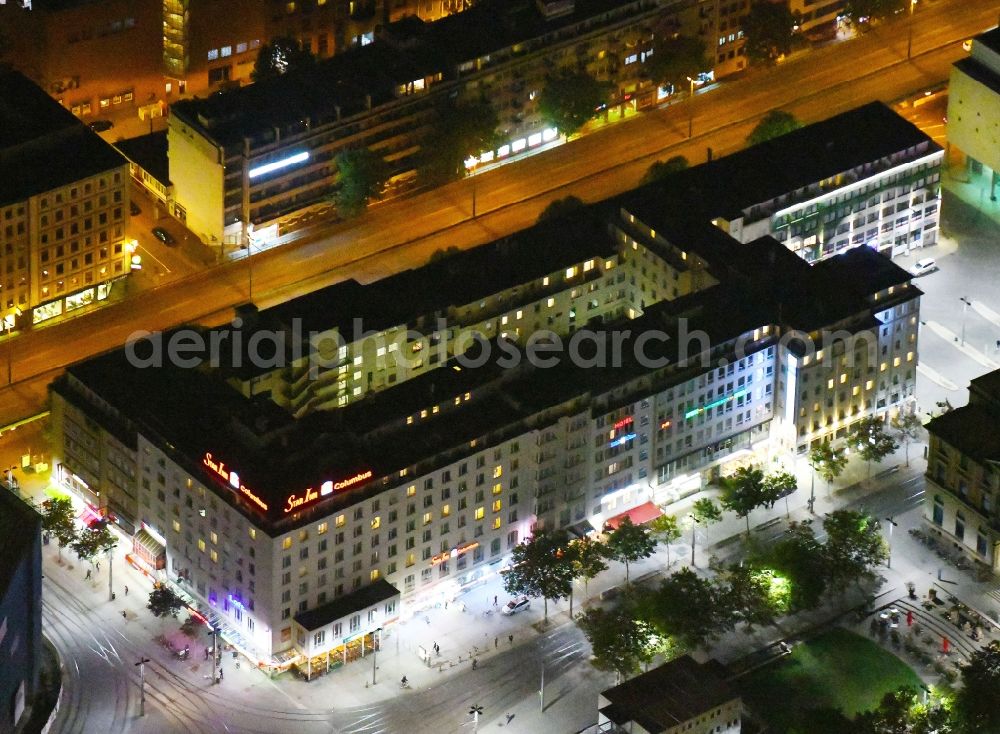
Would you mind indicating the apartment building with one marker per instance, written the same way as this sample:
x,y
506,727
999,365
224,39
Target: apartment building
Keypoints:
x,y
863,177
974,107
64,204
962,476
267,151
680,696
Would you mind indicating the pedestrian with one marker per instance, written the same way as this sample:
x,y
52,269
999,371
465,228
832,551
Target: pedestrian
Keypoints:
x,y
510,639
126,591
206,653
98,564
475,663
446,605
494,600
510,718
88,574
435,646
113,596
496,642
124,615
220,673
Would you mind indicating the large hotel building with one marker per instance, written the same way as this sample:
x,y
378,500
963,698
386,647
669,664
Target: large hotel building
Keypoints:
x,y
64,207
303,496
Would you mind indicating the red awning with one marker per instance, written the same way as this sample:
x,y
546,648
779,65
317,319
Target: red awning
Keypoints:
x,y
638,515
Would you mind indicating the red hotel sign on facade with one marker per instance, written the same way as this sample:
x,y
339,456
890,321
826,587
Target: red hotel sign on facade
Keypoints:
x,y
293,501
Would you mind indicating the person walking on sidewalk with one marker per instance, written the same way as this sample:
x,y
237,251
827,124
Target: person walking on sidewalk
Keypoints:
x,y
126,591
88,575
496,642
475,663
510,639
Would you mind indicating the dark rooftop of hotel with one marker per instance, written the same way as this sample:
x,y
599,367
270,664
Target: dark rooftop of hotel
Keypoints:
x,y
42,145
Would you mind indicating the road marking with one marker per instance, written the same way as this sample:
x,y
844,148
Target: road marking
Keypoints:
x,y
948,335
986,312
155,258
934,376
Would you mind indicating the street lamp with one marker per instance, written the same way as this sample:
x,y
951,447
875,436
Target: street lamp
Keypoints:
x,y
892,524
691,106
375,647
471,164
909,41
142,685
475,712
965,309
8,326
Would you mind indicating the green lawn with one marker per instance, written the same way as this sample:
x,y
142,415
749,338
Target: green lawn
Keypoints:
x,y
838,670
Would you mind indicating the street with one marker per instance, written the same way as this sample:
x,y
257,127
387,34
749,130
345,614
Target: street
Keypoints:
x,y
404,233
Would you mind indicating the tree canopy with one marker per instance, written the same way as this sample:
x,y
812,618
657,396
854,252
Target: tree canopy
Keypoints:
x,y
93,541
363,175
828,461
744,492
768,28
871,440
569,100
687,608
163,602
666,529
799,557
559,208
854,546
675,59
773,125
862,11
541,566
976,704
907,427
661,170
59,520
703,512
629,543
280,56
620,640
461,131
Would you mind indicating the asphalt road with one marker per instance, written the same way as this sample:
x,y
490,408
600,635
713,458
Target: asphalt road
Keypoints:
x,y
402,234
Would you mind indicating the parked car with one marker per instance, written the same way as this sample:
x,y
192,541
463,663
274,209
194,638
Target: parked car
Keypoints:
x,y
163,236
100,126
923,267
516,605
134,209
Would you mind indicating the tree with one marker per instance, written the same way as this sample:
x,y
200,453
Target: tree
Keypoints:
x,y
666,529
461,131
58,520
559,208
744,492
675,59
869,438
976,706
280,56
620,641
163,602
541,566
571,99
862,11
661,170
907,427
773,125
901,712
687,608
768,28
703,512
828,462
854,546
93,541
777,486
363,175
588,559
629,543
755,594
801,559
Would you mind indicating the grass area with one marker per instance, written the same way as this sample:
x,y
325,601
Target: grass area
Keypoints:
x,y
837,671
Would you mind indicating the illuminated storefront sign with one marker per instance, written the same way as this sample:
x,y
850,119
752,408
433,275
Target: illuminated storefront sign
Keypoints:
x,y
453,553
328,487
622,440
627,421
233,479
732,396
279,164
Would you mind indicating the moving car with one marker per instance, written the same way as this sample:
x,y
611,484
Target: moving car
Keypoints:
x,y
923,267
100,126
516,605
163,236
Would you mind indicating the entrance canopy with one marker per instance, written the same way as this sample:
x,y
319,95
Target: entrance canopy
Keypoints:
x,y
640,515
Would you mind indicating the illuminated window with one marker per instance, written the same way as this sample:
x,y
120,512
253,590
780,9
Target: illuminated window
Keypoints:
x,y
545,280
468,396
322,528
829,384
374,574
214,538
427,518
241,47
409,420
496,523
376,522
843,377
303,535
445,511
895,362
869,384
497,488
226,51
253,533
201,545
570,272
339,522
411,558
436,409
497,472
856,390
411,490
503,320
177,527
883,367
497,504
423,413
213,54
480,513
588,266
909,356
551,302
214,555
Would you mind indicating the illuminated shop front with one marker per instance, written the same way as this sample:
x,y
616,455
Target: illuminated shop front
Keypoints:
x,y
73,302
